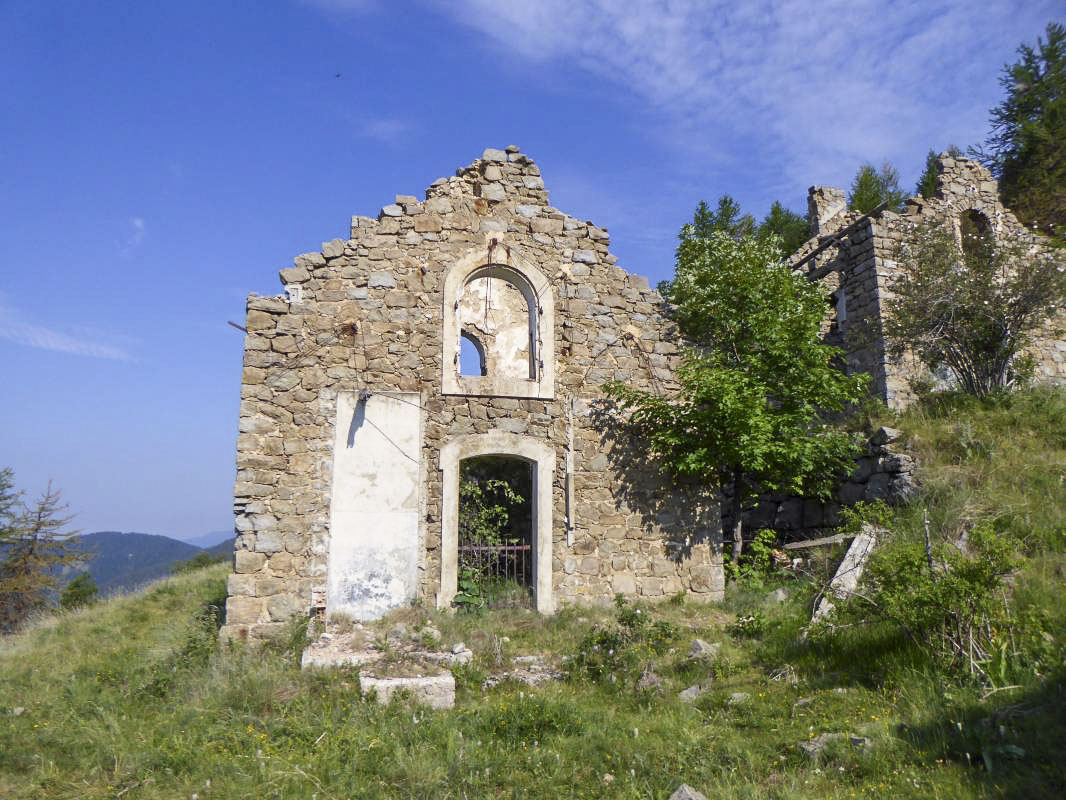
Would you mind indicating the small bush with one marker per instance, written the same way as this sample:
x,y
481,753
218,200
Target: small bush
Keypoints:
x,y
613,655
528,718
82,591
749,626
757,563
951,603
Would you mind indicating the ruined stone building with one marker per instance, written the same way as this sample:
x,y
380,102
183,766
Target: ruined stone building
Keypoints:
x,y
856,255
478,321
481,323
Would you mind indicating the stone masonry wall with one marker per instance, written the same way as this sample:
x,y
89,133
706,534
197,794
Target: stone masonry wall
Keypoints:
x,y
883,472
860,265
365,313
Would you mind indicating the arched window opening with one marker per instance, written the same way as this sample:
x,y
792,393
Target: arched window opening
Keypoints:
x,y
471,356
497,309
496,532
975,232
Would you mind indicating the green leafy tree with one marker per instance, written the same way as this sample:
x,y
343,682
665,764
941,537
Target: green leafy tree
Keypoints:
x,y
1026,149
972,309
34,550
926,186
872,187
790,226
82,591
755,380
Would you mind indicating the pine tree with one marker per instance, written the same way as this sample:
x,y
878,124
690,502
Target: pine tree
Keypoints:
x,y
34,549
926,186
790,226
872,187
727,218
1026,149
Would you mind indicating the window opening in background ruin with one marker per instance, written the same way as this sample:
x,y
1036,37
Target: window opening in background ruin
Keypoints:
x,y
496,533
975,232
495,312
471,356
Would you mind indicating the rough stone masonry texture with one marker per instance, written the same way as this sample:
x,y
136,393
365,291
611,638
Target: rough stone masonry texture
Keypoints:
x,y
368,312
858,263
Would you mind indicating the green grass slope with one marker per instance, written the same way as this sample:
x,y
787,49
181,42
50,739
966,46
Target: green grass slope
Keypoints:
x,y
122,561
134,699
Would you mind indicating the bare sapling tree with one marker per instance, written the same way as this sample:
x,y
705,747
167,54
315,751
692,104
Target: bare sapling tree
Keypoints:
x,y
971,303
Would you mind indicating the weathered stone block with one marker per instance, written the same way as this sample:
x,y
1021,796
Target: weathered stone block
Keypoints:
x,y
436,691
282,607
248,561
268,541
624,584
382,280
238,584
241,610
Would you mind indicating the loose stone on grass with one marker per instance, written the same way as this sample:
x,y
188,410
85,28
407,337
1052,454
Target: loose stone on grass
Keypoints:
x,y
686,792
435,691
701,649
690,694
738,698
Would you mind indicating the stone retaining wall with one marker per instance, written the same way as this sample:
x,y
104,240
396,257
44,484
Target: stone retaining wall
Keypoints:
x,y
884,472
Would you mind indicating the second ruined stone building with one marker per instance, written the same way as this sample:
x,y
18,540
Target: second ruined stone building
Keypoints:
x,y
857,256
478,321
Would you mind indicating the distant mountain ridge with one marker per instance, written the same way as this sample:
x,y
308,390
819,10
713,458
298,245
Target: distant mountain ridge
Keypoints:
x,y
211,539
123,561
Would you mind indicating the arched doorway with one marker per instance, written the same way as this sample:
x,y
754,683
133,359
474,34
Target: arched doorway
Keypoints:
x,y
495,559
538,457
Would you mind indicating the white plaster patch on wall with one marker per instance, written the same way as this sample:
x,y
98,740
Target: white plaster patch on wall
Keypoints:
x,y
498,313
373,549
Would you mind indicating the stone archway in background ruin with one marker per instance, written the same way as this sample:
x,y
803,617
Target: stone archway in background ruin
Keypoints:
x,y
975,231
498,443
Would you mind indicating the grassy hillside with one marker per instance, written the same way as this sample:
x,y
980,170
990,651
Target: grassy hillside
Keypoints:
x,y
133,699
129,560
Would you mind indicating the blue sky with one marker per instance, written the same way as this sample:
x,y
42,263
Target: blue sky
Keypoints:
x,y
158,161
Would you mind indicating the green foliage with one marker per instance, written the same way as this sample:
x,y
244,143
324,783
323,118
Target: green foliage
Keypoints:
x,y
872,187
757,563
926,186
950,602
254,724
971,310
756,379
34,549
791,227
529,720
749,626
82,591
199,561
875,512
726,218
1026,148
613,654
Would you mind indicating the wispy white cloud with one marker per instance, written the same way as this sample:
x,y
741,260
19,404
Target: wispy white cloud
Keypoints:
x,y
813,88
386,130
135,236
78,341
